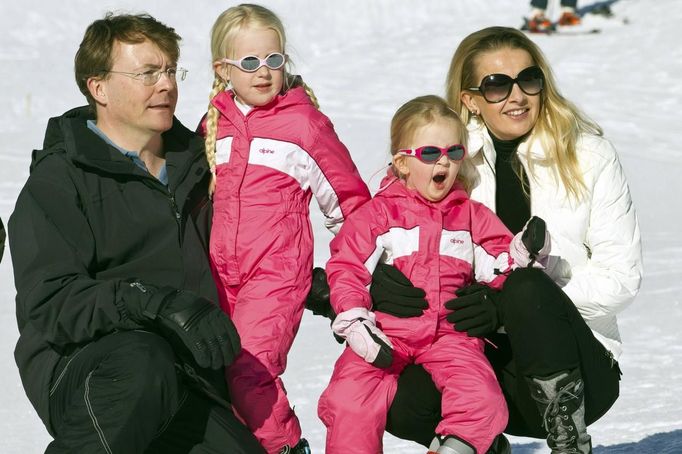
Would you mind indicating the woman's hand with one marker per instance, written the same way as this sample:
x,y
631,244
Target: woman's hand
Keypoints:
x,y
393,293
476,310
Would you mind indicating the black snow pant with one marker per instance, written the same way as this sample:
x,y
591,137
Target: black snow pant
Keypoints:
x,y
545,335
125,394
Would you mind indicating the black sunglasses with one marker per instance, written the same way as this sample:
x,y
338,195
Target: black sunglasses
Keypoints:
x,y
497,87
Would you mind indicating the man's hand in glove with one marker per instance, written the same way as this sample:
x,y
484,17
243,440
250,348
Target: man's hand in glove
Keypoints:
x,y
476,310
358,327
393,293
186,320
318,297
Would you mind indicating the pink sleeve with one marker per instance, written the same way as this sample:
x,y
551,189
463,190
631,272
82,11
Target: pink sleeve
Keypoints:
x,y
335,181
355,252
491,246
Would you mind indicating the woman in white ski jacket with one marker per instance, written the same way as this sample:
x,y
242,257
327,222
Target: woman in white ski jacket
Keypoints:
x,y
535,155
596,253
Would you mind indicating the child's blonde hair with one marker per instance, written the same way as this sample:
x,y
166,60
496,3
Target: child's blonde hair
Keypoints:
x,y
223,33
419,112
560,122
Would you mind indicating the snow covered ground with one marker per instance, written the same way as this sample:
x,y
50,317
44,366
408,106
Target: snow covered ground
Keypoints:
x,y
364,58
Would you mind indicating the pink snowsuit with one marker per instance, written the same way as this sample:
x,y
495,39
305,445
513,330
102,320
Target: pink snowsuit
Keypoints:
x,y
269,163
441,247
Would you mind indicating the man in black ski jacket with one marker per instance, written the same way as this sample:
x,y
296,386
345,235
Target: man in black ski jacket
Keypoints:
x,y
121,346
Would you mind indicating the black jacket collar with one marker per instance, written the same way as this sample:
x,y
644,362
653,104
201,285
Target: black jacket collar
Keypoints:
x,y
70,134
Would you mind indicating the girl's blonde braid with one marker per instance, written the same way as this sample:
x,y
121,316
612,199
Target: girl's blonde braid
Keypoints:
x,y
212,132
293,81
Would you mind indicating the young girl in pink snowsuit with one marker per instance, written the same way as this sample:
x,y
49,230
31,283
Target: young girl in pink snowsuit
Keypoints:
x,y
423,223
270,149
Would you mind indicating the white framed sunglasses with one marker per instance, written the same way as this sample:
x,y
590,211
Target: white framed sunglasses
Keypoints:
x,y
252,63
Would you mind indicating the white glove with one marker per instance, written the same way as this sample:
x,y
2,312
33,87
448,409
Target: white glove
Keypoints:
x,y
358,327
532,245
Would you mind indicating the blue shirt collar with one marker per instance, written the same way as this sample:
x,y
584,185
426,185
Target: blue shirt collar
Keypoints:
x,y
163,174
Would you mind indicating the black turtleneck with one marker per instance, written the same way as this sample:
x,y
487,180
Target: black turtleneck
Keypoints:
x,y
513,205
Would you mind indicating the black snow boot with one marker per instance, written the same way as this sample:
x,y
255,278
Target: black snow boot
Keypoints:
x,y
561,400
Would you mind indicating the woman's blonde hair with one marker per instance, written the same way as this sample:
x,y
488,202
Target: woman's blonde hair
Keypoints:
x,y
560,122
223,33
417,113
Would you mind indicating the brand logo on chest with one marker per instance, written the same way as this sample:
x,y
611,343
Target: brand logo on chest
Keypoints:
x,y
456,241
266,151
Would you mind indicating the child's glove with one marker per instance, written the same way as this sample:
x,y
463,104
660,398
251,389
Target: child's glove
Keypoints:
x,y
358,327
531,246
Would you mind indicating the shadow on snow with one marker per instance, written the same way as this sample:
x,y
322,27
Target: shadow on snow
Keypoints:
x,y
661,443
593,7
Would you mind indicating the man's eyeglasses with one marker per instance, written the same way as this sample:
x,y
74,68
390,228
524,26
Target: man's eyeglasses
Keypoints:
x,y
431,154
252,63
497,87
152,76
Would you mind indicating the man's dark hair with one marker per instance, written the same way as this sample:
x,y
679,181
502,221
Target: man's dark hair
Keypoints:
x,y
94,56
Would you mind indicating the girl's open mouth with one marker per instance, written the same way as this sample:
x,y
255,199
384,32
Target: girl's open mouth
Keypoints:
x,y
439,178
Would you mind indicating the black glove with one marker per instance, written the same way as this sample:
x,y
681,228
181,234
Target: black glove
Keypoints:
x,y
187,321
533,237
318,297
477,310
393,293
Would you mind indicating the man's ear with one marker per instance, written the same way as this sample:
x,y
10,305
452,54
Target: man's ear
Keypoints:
x,y
98,89
400,165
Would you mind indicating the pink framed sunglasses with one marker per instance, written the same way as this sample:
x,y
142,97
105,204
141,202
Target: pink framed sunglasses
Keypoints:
x,y
430,154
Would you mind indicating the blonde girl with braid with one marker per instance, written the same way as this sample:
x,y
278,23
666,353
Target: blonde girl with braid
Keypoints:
x,y
270,150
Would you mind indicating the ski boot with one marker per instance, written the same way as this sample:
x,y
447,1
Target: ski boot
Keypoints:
x,y
560,399
451,445
302,447
568,18
538,24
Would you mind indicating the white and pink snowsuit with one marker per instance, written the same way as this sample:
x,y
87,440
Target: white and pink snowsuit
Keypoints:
x,y
441,247
269,164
